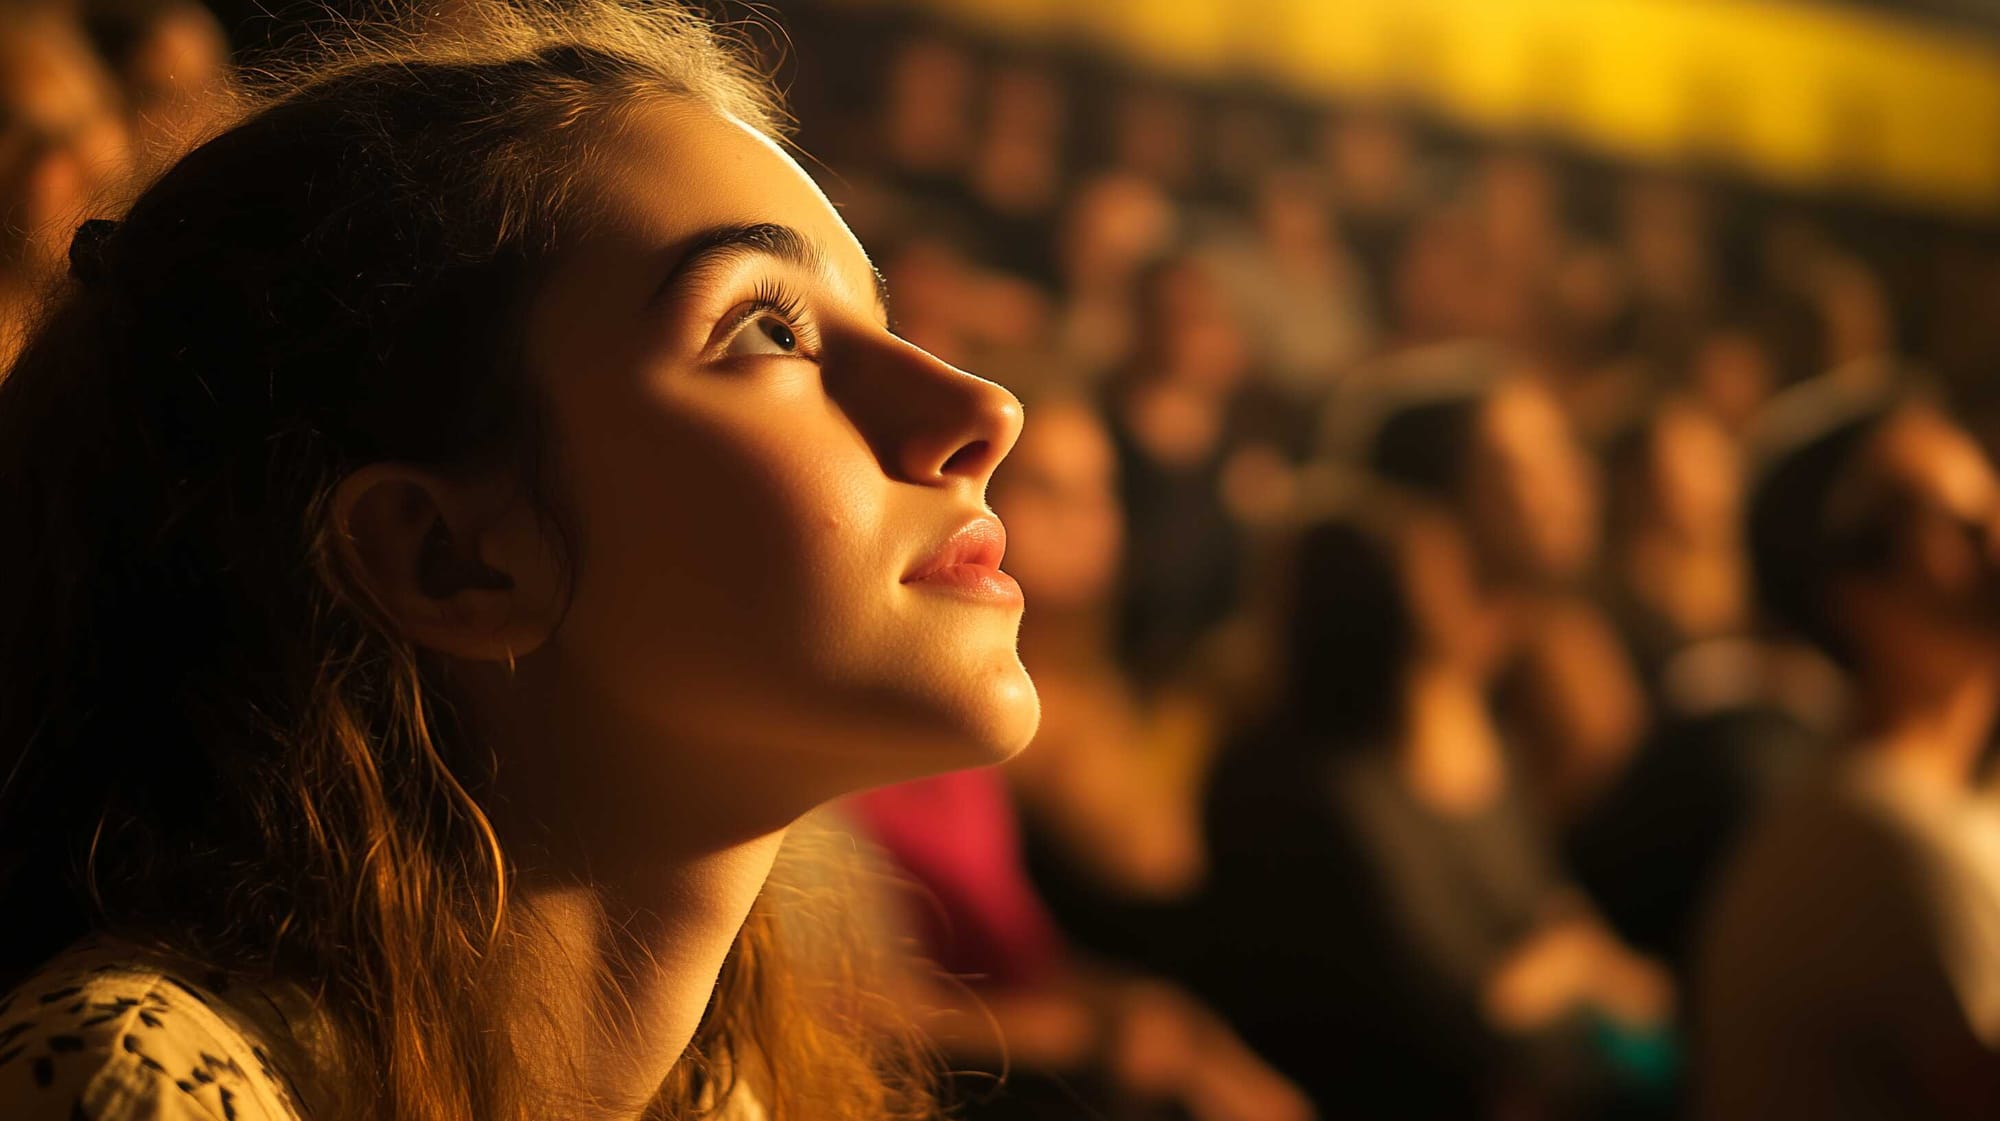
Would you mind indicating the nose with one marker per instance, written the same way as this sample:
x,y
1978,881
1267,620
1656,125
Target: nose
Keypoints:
x,y
929,422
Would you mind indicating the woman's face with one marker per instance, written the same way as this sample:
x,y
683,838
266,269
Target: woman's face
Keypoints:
x,y
761,475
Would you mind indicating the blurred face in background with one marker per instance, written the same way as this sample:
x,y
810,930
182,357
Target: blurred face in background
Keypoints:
x,y
1292,213
1732,375
1190,328
929,113
1455,620
175,80
1019,166
63,140
1436,285
1371,163
1856,312
1517,208
1940,501
1533,491
1695,475
1058,494
933,284
1666,238
1153,136
956,309
1244,141
1115,224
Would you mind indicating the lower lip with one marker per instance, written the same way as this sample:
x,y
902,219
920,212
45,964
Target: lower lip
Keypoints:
x,y
976,582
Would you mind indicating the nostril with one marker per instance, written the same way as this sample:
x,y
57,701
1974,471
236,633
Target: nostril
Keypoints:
x,y
965,458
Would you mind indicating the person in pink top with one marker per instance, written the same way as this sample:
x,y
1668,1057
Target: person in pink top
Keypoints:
x,y
1071,1036
956,835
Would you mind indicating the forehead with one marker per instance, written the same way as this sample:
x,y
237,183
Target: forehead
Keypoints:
x,y
672,168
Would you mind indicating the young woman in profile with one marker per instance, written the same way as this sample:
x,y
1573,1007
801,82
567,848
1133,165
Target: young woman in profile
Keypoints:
x,y
459,520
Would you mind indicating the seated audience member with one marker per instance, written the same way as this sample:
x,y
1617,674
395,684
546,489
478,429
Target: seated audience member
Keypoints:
x,y
63,148
1169,412
1851,965
1389,927
1110,794
1067,1039
1732,373
1296,287
1479,432
1200,443
1679,578
1016,174
1112,226
1738,718
1372,165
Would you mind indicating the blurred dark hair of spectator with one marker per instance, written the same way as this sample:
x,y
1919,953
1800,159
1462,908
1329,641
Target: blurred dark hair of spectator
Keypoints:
x,y
1390,926
1860,919
1483,434
1477,430
1389,586
1815,513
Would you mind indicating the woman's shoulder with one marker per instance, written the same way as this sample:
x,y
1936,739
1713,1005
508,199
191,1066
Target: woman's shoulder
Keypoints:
x,y
102,1035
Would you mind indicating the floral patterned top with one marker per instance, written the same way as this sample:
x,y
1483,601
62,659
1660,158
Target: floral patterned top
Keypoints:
x,y
100,1033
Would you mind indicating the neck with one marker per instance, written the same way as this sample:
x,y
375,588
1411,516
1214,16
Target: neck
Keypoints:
x,y
602,986
630,895
1936,726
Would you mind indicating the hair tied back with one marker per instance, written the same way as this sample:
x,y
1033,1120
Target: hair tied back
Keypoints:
x,y
86,250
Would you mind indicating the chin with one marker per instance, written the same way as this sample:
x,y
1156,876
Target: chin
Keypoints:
x,y
1014,715
979,720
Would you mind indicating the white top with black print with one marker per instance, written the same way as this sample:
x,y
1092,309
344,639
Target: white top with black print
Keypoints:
x,y
102,1035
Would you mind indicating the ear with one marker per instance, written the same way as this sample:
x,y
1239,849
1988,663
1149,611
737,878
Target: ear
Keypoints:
x,y
464,569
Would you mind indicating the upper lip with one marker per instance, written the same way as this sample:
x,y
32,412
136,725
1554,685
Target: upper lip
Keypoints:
x,y
981,541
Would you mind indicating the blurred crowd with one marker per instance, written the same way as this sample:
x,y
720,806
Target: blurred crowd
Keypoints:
x,y
1518,633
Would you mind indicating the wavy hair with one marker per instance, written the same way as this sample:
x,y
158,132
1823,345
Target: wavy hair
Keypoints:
x,y
209,742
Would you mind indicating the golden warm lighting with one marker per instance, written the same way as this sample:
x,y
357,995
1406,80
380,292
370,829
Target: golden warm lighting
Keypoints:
x,y
1797,95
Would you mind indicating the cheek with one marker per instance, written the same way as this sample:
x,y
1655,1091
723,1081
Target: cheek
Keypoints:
x,y
738,587
718,560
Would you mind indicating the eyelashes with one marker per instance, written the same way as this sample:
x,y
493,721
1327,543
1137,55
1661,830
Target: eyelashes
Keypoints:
x,y
775,313
774,298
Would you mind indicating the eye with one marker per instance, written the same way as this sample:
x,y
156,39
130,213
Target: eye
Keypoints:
x,y
773,323
765,332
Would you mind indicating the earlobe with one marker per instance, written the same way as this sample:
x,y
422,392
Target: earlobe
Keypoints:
x,y
437,560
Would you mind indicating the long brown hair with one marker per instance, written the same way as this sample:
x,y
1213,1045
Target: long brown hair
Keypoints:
x,y
208,743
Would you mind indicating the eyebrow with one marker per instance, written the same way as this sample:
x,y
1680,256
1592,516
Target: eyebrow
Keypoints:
x,y
719,246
